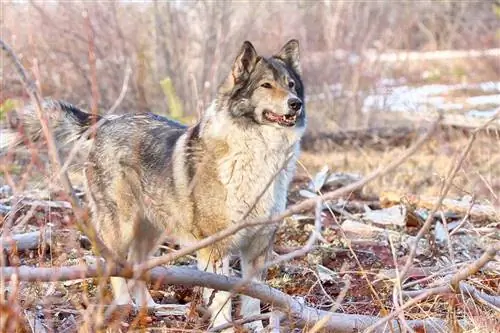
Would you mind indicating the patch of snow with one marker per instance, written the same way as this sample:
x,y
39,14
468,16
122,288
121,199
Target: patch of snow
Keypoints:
x,y
489,86
484,99
405,98
481,114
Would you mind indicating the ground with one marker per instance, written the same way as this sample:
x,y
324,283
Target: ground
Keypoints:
x,y
365,259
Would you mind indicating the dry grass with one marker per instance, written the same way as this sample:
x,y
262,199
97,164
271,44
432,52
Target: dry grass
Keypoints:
x,y
424,172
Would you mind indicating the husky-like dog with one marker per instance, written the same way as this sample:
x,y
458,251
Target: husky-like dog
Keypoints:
x,y
148,176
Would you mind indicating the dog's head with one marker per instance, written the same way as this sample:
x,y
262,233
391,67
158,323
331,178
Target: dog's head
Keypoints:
x,y
265,90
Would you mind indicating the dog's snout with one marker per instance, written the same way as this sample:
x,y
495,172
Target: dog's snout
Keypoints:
x,y
294,104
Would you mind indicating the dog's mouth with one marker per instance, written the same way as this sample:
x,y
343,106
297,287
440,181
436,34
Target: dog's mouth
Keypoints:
x,y
286,120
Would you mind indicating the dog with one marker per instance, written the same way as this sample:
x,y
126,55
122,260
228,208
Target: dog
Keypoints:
x,y
148,176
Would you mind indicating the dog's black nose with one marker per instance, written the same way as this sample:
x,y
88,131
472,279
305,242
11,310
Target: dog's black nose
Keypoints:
x,y
294,104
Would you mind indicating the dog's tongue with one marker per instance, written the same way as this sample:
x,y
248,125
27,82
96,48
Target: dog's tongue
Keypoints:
x,y
275,117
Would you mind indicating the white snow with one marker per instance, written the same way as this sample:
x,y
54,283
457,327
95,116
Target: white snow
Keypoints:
x,y
428,97
484,99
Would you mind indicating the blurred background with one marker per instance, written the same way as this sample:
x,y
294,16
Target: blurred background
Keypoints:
x,y
179,51
366,64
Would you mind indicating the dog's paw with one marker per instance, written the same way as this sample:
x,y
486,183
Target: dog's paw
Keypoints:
x,y
226,330
255,327
164,310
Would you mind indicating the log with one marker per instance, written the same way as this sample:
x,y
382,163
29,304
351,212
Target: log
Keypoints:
x,y
26,241
464,206
396,136
377,138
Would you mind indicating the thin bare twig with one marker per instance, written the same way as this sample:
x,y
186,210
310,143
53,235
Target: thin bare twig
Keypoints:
x,y
315,235
123,91
94,87
36,99
444,190
453,285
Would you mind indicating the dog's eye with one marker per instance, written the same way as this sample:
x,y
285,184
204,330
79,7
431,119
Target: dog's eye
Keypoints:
x,y
266,85
291,84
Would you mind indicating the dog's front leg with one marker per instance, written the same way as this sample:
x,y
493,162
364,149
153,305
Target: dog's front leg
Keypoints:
x,y
252,263
218,302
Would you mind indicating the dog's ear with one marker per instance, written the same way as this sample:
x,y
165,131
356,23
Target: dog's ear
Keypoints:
x,y
290,54
244,62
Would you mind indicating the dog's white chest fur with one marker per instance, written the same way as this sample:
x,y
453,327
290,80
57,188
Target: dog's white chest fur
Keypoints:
x,y
257,171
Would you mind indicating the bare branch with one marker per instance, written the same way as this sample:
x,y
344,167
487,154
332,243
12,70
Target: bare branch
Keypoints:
x,y
462,274
123,91
444,191
303,314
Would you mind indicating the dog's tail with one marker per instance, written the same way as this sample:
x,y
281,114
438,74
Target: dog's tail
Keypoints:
x,y
67,121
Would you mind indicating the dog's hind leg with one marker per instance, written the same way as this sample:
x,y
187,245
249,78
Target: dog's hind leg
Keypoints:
x,y
139,251
218,302
106,225
145,241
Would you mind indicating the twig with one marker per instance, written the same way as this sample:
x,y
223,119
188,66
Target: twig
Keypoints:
x,y
36,98
94,87
464,219
123,92
315,235
337,322
444,190
492,301
340,297
397,298
473,268
453,286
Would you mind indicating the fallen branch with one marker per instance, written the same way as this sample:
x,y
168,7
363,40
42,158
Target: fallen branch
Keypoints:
x,y
452,287
493,301
383,137
462,207
304,315
444,190
26,241
465,288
